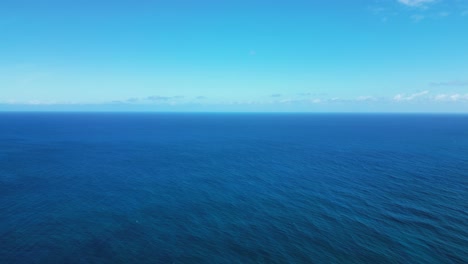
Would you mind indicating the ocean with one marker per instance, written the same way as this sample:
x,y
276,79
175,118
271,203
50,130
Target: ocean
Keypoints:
x,y
233,188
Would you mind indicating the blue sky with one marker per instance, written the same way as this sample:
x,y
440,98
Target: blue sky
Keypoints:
x,y
319,56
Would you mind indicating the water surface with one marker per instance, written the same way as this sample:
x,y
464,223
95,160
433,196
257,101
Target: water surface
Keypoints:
x,y
233,188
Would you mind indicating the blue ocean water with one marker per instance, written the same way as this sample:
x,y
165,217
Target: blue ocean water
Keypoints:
x,y
233,188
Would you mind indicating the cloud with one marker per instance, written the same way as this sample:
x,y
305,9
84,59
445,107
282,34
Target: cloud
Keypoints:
x,y
281,100
444,14
451,97
450,83
411,97
366,98
332,100
441,97
338,100
132,100
312,94
380,12
158,98
415,3
417,18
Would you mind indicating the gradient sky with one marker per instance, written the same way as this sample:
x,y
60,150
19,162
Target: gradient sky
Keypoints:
x,y
325,56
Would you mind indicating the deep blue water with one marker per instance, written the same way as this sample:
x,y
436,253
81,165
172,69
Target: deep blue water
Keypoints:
x,y
233,188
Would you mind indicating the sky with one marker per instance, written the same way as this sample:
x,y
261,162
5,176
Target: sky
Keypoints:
x,y
240,56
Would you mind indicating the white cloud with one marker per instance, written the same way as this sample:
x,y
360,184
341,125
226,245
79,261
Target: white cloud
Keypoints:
x,y
287,101
440,97
451,97
459,97
365,98
158,98
455,97
398,97
417,18
165,99
444,14
415,3
404,97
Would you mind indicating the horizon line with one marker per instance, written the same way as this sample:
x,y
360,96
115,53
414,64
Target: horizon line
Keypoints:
x,y
232,112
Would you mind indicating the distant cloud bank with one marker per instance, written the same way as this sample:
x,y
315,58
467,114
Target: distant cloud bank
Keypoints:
x,y
403,97
283,102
